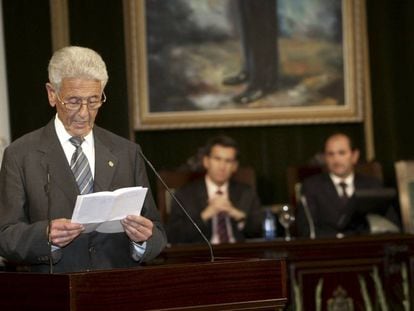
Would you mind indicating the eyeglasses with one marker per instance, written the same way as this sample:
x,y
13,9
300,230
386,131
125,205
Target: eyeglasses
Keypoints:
x,y
75,103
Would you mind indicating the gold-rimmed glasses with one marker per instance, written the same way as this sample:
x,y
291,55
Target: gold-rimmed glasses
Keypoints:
x,y
75,103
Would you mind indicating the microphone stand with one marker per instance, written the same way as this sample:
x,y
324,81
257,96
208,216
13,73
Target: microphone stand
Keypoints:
x,y
49,218
179,203
308,216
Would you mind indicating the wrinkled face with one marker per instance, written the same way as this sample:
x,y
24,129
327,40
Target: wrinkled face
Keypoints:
x,y
80,122
339,157
220,164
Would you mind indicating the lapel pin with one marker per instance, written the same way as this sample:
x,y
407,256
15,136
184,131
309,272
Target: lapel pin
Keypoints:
x,y
111,164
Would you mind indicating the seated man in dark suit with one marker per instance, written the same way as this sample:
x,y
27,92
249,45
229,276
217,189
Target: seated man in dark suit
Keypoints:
x,y
330,196
226,211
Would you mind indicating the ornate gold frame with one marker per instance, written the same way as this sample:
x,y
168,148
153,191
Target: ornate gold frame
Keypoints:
x,y
356,86
357,106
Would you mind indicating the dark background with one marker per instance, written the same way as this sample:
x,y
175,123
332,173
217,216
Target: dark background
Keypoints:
x,y
269,149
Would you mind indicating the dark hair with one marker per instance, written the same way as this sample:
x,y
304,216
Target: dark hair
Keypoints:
x,y
351,143
222,140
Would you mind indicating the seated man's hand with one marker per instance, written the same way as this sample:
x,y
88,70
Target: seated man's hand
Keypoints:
x,y
138,228
62,231
221,204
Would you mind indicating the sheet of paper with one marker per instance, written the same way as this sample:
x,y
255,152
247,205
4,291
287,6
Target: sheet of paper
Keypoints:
x,y
102,211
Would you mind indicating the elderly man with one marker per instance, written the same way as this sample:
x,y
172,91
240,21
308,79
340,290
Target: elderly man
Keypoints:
x,y
43,172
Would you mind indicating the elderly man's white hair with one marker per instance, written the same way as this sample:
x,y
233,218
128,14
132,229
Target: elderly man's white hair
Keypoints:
x,y
76,62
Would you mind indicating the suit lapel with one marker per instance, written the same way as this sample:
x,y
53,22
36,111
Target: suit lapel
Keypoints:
x,y
202,194
54,162
202,201
234,193
332,200
105,163
331,191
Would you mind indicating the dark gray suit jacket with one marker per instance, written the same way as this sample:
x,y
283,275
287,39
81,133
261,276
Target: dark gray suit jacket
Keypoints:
x,y
194,198
329,216
24,203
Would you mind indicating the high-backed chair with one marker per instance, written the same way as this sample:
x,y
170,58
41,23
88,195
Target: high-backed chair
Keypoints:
x,y
404,171
178,178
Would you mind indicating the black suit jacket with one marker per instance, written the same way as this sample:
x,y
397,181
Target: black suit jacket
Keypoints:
x,y
24,203
329,215
194,198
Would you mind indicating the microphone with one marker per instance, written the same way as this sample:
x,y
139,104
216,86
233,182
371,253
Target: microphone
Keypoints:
x,y
49,219
179,203
308,216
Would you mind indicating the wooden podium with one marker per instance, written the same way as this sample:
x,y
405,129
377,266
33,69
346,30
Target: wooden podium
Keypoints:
x,y
227,284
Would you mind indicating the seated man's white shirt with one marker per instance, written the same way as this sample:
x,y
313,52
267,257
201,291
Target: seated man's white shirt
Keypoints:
x,y
349,181
212,189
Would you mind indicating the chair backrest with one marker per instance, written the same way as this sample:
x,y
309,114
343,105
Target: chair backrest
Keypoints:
x,y
178,178
296,174
404,171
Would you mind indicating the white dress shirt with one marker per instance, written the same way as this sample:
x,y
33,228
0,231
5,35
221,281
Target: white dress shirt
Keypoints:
x,y
88,146
212,190
349,181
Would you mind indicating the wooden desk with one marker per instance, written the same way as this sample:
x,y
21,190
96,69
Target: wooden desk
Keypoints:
x,y
222,285
355,271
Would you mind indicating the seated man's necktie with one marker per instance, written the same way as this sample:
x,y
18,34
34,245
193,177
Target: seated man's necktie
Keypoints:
x,y
221,224
80,167
344,195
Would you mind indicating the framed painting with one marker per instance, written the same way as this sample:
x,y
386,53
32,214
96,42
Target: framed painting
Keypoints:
x,y
210,63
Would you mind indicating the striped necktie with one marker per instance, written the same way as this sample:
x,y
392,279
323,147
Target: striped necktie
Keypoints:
x,y
80,167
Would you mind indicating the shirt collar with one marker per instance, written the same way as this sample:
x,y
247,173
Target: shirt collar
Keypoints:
x,y
213,187
348,180
64,136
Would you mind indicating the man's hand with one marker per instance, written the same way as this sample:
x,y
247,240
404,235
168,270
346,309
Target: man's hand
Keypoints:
x,y
138,228
220,204
62,231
